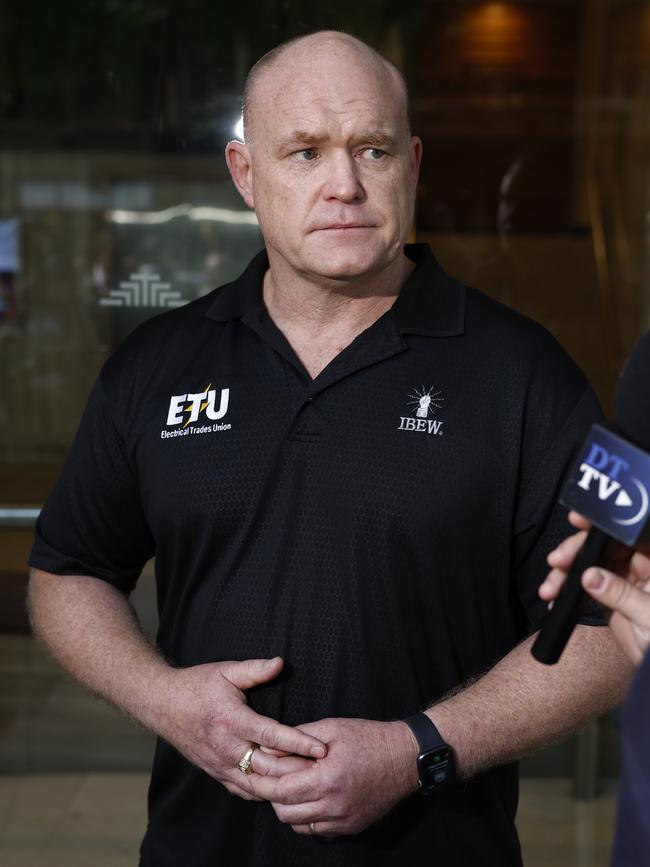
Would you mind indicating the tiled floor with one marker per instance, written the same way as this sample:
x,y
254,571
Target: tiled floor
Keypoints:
x,y
557,830
71,820
78,820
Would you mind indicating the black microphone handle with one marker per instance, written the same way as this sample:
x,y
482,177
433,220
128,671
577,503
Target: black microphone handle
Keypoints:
x,y
561,619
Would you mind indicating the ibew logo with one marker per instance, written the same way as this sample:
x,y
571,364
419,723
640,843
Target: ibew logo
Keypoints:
x,y
425,401
609,473
185,409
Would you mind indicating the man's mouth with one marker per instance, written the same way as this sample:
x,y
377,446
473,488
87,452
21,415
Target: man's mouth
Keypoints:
x,y
342,227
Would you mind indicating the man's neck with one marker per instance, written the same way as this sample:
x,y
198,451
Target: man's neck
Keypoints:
x,y
321,318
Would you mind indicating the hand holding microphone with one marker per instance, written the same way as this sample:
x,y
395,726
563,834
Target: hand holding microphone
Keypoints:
x,y
623,589
610,485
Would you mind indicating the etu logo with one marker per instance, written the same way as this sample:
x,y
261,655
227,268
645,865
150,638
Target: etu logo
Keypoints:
x,y
605,468
194,404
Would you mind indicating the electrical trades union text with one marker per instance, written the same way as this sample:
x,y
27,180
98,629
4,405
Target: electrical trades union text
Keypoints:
x,y
189,431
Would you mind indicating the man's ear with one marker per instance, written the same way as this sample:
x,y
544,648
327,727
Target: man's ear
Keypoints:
x,y
238,159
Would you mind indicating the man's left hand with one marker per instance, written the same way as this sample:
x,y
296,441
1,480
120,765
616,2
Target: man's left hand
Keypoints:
x,y
369,767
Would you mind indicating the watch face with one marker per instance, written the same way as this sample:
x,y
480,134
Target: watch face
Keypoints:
x,y
436,767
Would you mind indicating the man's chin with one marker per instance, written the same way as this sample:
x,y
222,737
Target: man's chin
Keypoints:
x,y
346,264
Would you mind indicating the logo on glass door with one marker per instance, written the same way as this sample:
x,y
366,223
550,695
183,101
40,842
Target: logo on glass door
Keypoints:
x,y
143,290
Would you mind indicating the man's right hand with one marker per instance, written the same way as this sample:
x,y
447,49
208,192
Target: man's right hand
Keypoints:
x,y
623,589
90,627
206,718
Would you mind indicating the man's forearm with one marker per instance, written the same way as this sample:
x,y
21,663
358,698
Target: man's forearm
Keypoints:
x,y
92,631
521,705
201,710
516,707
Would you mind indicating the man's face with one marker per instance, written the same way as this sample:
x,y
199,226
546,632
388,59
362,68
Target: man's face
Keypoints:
x,y
332,169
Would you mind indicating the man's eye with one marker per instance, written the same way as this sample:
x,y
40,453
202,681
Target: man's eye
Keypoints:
x,y
374,153
308,154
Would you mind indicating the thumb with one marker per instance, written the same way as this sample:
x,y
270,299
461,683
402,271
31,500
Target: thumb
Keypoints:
x,y
251,672
618,594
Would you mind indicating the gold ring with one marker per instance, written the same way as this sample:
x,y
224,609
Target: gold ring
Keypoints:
x,y
245,763
312,829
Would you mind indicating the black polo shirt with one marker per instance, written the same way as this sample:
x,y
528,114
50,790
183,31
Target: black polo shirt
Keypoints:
x,y
382,527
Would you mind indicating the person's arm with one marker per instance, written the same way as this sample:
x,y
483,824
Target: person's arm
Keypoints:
x,y
516,707
92,630
623,589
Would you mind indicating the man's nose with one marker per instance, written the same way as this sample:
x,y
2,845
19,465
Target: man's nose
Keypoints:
x,y
343,180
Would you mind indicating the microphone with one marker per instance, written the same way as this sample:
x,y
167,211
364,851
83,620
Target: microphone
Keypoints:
x,y
610,485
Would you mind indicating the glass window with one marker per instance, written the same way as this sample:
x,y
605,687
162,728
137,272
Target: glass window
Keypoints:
x,y
115,205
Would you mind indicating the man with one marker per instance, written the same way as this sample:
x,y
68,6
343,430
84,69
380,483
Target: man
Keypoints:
x,y
345,459
625,595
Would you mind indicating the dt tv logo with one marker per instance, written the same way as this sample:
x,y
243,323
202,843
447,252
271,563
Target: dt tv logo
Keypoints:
x,y
610,485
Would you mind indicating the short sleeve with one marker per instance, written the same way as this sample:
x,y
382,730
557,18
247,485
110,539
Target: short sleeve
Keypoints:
x,y
541,522
93,521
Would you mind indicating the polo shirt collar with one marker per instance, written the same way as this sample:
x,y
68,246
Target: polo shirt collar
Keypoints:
x,y
431,302
243,295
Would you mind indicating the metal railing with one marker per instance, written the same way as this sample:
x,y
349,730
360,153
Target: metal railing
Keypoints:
x,y
18,516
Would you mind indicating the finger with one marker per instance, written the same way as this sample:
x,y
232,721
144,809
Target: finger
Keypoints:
x,y
552,584
274,752
240,792
618,595
276,766
270,733
565,553
579,521
295,788
248,673
301,814
322,829
640,570
627,638
242,785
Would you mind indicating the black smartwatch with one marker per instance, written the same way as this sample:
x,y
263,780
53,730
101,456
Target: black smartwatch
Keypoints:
x,y
436,765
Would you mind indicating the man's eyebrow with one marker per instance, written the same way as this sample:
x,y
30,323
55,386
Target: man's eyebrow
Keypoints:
x,y
376,138
301,137
304,138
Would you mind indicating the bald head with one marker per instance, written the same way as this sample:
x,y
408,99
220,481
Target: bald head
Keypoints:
x,y
328,162
282,66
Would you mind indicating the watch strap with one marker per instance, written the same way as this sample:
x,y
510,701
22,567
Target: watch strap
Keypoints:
x,y
435,763
426,734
